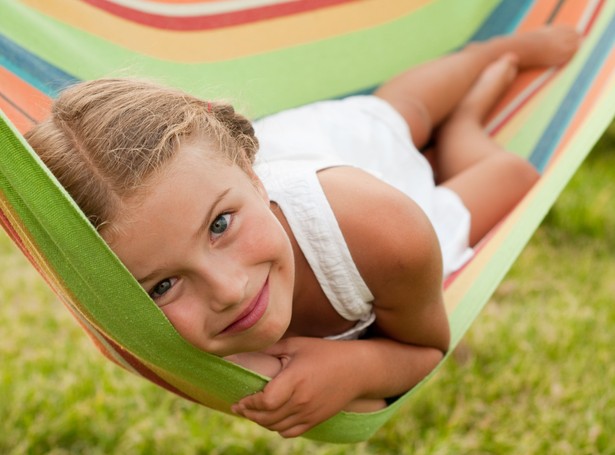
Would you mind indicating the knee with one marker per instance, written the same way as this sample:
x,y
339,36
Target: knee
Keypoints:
x,y
522,173
419,122
527,172
414,112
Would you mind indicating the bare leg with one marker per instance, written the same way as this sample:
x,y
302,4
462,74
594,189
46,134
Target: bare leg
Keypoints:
x,y
461,140
489,180
426,95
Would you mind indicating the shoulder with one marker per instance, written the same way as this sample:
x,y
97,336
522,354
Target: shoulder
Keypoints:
x,y
396,250
389,236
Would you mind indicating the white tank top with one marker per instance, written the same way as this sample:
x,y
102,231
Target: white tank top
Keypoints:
x,y
367,133
295,187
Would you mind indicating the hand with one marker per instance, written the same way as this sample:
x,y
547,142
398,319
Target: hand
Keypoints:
x,y
319,378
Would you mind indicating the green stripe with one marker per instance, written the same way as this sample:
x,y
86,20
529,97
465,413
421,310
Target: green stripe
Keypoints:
x,y
271,81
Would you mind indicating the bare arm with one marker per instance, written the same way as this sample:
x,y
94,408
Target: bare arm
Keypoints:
x,y
401,263
402,266
322,377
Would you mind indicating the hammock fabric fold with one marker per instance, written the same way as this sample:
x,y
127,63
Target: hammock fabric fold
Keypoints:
x,y
267,55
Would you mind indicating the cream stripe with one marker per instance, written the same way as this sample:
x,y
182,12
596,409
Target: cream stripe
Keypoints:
x,y
213,45
587,15
526,93
196,9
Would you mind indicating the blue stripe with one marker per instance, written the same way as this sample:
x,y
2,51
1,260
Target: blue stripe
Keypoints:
x,y
553,133
32,69
504,19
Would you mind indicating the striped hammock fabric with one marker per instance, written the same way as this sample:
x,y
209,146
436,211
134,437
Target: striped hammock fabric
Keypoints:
x,y
267,55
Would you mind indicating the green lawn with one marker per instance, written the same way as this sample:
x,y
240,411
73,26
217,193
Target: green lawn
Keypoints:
x,y
533,375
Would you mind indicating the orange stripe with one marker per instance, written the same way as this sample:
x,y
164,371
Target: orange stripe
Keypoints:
x,y
21,122
213,45
33,102
571,12
21,236
459,284
538,16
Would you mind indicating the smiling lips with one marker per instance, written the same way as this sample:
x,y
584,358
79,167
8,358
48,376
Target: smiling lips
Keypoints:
x,y
252,314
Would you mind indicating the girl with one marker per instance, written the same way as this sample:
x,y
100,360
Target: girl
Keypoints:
x,y
337,231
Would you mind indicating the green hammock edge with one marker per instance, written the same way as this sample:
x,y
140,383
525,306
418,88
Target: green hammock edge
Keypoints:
x,y
94,276
112,300
90,271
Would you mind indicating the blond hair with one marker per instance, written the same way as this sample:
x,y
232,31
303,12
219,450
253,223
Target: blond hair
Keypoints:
x,y
106,138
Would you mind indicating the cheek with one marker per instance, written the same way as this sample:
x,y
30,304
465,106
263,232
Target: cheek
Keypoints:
x,y
187,320
266,240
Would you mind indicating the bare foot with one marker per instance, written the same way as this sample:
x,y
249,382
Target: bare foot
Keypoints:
x,y
461,140
489,87
546,46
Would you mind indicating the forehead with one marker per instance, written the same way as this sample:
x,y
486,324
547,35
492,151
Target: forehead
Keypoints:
x,y
190,180
196,159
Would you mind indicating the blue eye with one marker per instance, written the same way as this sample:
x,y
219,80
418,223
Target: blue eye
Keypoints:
x,y
162,288
220,225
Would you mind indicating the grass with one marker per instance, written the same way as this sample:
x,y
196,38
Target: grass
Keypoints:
x,y
533,375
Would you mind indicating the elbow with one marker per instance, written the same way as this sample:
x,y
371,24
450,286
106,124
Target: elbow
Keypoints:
x,y
438,330
442,335
445,343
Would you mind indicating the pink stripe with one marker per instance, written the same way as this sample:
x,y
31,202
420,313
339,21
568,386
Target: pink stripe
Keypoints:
x,y
213,21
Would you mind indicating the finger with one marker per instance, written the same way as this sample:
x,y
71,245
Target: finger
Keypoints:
x,y
274,421
289,413
288,426
279,391
295,431
269,399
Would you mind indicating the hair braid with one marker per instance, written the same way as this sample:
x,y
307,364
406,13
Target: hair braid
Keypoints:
x,y
106,139
239,127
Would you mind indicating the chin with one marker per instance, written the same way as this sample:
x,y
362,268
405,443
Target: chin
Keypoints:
x,y
266,339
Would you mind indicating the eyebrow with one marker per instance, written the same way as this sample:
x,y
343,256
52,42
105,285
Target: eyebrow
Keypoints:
x,y
202,227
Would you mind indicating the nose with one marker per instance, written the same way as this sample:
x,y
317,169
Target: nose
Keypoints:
x,y
225,281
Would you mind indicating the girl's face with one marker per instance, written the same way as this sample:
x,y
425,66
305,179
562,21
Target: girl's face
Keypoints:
x,y
205,245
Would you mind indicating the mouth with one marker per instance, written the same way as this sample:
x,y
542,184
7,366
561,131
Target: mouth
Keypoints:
x,y
252,314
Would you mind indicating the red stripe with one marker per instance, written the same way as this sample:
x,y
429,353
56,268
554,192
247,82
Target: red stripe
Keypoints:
x,y
141,368
17,240
529,96
593,18
213,21
8,227
15,237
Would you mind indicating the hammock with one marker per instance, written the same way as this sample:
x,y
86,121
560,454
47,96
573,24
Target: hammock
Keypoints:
x,y
269,55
